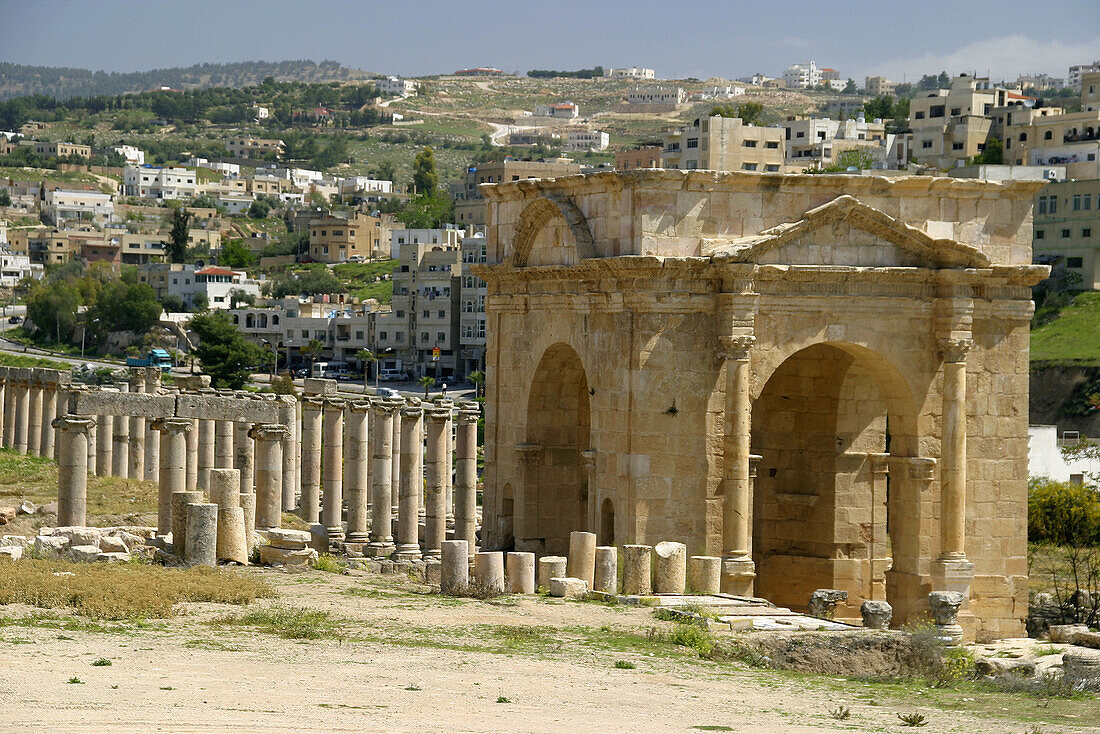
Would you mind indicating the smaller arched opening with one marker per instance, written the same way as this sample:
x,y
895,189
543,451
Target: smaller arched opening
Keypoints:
x,y
607,522
275,320
263,321
249,321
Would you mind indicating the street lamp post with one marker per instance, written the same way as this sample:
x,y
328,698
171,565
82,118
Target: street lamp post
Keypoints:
x,y
84,333
274,357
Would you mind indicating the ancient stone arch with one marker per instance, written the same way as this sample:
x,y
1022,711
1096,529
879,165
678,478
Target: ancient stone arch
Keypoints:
x,y
879,326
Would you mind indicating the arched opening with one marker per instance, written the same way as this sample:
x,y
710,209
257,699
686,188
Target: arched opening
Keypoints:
x,y
249,321
506,518
824,515
555,493
607,522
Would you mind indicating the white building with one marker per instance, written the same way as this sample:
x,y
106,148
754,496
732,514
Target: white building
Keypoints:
x,y
1045,459
366,184
757,79
259,112
1075,72
728,91
234,203
657,95
131,154
153,182
472,295
189,281
585,140
803,76
229,170
397,86
559,110
13,268
300,177
629,72
448,237
61,204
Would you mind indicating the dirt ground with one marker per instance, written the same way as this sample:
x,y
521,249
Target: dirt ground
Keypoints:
x,y
407,661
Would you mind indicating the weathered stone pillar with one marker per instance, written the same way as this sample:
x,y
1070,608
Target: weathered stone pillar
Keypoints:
x,y
136,445
952,570
334,467
179,503
520,570
34,419
288,416
582,557
395,464
356,462
225,492
408,504
244,458
637,569
454,572
72,465
205,452
269,474
381,534
310,505
201,548
551,567
120,446
49,413
105,428
465,481
738,569
173,466
671,572
435,464
705,574
5,409
223,444
489,570
152,440
605,576
91,448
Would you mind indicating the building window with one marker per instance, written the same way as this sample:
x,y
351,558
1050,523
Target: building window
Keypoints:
x,y
771,168
956,146
1065,234
1048,135
919,116
1040,234
1076,202
692,143
773,144
748,143
440,336
748,166
384,335
359,335
1086,232
926,144
426,314
423,337
1075,262
399,336
442,314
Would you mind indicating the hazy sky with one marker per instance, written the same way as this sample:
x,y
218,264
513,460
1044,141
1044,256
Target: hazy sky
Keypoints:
x,y
678,39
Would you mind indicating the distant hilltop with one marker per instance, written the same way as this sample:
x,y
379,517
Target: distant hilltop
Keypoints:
x,y
17,80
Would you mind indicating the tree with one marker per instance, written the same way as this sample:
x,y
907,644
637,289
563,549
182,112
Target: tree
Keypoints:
x,y
384,171
52,307
427,211
239,297
478,378
426,382
850,87
235,255
225,354
199,303
314,349
993,154
123,306
365,356
751,113
259,209
425,178
177,244
171,303
316,280
5,198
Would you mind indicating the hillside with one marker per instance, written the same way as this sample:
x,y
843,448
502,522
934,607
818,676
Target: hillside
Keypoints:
x,y
17,80
1072,337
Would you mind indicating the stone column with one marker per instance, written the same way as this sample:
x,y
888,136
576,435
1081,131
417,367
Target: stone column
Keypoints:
x,y
49,413
5,411
381,534
310,505
288,416
92,449
34,418
953,571
605,576
395,464
705,575
223,444
205,452
192,452
269,474
201,548
72,465
520,570
180,500
105,428
120,447
454,572
435,465
244,458
136,446
173,466
582,557
355,471
334,468
489,570
408,504
738,569
152,441
637,570
671,572
465,481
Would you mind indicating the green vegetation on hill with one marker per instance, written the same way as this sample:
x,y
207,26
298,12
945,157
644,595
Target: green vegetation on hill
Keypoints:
x,y
367,280
1069,336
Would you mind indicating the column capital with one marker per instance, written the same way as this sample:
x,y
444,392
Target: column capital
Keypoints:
x,y
269,431
335,403
955,349
359,406
437,413
313,402
468,413
588,456
411,412
387,406
172,425
736,347
79,423
920,468
880,463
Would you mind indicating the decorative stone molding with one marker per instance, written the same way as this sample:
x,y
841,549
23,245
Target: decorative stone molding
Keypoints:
x,y
173,425
468,413
955,350
268,432
534,219
736,348
529,453
588,457
79,423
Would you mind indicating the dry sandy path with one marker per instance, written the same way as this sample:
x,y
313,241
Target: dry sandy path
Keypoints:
x,y
183,675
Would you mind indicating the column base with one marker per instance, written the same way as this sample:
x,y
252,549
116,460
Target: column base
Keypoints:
x,y
738,575
433,554
953,573
409,552
335,533
378,549
357,537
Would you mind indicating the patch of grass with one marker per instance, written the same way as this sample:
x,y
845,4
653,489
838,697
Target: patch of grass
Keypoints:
x,y
211,645
1069,337
290,623
1044,650
691,636
913,719
327,562
712,727
121,591
101,662
75,681
624,665
503,699
35,478
27,360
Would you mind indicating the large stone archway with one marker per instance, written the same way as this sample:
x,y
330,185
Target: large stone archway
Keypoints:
x,y
555,495
892,312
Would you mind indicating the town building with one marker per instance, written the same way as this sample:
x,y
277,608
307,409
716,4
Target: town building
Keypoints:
x,y
815,143
1075,72
135,156
249,147
334,239
41,245
44,147
190,282
728,91
1066,231
154,182
644,156
470,207
558,110
878,86
362,189
480,71
803,76
396,86
15,267
585,141
951,126
229,170
629,72
64,204
1040,82
1046,136
657,97
724,144
471,337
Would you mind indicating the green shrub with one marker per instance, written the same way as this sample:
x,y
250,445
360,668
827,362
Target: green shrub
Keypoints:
x,y
1062,513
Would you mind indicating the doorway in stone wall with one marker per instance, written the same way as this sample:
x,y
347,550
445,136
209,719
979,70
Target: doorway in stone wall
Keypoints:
x,y
823,514
555,498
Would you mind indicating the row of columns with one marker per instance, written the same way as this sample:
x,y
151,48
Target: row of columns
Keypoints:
x,y
368,455
29,406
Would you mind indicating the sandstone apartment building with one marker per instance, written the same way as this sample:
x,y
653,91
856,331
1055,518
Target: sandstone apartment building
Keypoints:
x,y
724,144
951,126
335,239
249,147
470,206
1066,231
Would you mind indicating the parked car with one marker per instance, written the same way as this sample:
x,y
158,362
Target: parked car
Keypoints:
x,y
387,392
17,319
392,375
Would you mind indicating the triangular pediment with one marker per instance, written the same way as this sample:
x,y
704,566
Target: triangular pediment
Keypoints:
x,y
849,233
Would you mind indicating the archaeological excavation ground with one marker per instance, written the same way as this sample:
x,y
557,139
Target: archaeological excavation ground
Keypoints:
x,y
718,407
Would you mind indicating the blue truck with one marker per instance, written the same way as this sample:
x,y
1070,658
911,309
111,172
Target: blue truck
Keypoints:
x,y
155,358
